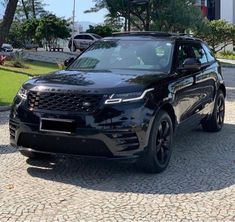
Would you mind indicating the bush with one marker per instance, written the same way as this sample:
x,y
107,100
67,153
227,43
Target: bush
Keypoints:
x,y
18,60
226,55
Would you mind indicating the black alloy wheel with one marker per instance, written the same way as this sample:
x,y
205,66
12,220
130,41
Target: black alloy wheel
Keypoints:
x,y
163,142
159,150
220,111
216,121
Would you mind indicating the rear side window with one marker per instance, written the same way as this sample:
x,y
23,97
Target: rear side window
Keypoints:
x,y
209,53
78,37
199,53
87,37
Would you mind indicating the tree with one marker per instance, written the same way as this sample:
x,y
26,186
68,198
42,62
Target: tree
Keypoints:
x,y
102,30
28,9
162,15
7,20
218,34
121,9
176,16
51,28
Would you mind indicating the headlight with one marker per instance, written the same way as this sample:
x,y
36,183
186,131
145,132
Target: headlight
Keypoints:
x,y
127,97
22,93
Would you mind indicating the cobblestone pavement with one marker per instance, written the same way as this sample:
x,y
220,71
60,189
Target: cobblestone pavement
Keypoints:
x,y
199,184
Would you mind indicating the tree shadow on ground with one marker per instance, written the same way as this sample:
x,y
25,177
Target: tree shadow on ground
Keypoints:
x,y
201,162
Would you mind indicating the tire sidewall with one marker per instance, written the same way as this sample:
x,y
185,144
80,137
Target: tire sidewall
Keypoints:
x,y
151,152
219,95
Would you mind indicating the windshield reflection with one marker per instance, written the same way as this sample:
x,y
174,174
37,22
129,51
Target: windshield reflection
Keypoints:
x,y
125,54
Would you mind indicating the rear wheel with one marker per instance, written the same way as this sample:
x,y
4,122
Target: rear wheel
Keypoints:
x,y
158,153
34,155
216,121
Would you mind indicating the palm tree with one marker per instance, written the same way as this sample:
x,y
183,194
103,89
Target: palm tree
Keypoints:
x,y
8,17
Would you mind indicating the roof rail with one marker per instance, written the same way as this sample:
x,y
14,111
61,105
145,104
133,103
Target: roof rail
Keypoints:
x,y
150,33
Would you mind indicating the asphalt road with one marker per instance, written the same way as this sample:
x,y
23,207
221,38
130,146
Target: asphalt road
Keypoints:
x,y
199,184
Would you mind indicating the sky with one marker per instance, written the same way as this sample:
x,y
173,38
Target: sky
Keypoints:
x,y
64,8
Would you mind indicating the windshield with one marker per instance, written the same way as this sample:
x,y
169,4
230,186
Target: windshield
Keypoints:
x,y
125,54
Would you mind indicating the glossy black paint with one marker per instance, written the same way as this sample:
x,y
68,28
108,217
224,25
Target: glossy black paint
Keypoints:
x,y
118,130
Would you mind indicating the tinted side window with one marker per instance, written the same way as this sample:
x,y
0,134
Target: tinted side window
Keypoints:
x,y
209,53
200,54
78,37
87,37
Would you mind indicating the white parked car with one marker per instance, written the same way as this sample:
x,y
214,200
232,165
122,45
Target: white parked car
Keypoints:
x,y
6,48
83,40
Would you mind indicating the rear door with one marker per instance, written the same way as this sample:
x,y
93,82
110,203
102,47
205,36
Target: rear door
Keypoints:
x,y
206,80
87,41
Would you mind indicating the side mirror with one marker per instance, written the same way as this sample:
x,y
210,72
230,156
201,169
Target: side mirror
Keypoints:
x,y
190,65
67,62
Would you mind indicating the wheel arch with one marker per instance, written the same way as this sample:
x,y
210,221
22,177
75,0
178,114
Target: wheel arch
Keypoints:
x,y
170,110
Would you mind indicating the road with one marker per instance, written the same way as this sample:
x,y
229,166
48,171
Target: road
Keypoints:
x,y
199,184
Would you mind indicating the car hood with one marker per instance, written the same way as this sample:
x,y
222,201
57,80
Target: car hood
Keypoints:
x,y
96,81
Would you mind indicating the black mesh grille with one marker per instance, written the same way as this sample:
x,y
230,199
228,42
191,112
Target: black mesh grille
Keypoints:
x,y
63,102
13,127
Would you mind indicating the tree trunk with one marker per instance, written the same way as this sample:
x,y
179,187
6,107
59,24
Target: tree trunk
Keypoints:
x,y
25,10
33,7
8,17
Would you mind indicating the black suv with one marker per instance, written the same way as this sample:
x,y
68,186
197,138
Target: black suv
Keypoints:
x,y
124,97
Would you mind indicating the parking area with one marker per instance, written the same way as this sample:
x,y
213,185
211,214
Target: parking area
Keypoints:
x,y
199,184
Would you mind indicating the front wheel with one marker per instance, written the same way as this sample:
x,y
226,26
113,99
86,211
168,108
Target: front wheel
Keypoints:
x,y
216,121
159,150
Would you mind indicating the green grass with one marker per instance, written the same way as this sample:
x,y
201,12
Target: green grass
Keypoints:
x,y
12,78
10,82
33,68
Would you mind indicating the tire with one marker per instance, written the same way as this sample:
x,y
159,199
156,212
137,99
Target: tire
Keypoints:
x,y
216,121
34,155
159,150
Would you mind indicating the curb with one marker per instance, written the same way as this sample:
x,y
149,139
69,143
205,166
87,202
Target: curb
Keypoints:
x,y
228,65
5,108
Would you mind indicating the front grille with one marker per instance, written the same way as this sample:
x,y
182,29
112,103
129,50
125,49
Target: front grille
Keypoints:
x,y
13,127
69,102
65,145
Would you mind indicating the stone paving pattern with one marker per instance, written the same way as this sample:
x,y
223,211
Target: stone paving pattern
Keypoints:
x,y
199,184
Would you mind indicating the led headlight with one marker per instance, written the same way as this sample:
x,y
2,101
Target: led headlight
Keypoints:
x,y
22,93
127,97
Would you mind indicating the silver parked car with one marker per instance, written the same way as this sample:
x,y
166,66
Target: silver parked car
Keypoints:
x,y
83,41
6,48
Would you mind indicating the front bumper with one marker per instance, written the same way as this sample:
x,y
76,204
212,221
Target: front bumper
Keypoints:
x,y
120,131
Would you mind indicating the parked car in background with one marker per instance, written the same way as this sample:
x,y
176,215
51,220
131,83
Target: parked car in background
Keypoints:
x,y
83,41
6,48
124,97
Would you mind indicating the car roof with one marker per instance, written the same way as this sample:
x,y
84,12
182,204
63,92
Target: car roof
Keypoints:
x,y
85,33
150,34
6,45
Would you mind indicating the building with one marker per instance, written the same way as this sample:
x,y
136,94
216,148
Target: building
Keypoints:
x,y
218,9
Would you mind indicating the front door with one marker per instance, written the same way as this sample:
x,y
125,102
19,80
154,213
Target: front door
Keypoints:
x,y
190,90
